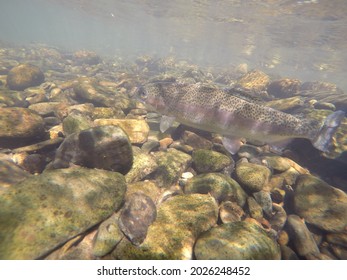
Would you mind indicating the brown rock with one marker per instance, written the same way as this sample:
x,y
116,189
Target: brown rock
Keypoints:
x,y
23,76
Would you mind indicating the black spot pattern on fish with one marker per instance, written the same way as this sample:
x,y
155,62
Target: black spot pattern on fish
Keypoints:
x,y
179,98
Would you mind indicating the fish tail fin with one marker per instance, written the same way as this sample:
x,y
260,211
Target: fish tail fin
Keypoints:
x,y
322,141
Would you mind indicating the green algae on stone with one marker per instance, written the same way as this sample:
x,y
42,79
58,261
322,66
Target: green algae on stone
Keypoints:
x,y
44,211
107,236
147,187
277,163
143,165
253,177
180,220
75,123
236,241
209,161
220,186
171,164
320,204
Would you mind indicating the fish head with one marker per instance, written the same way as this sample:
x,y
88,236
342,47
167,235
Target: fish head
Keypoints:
x,y
150,96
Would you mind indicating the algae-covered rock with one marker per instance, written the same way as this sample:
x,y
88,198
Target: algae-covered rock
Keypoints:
x,y
10,173
108,113
236,241
104,147
23,76
209,161
277,163
107,236
19,126
252,176
146,187
171,164
75,123
320,204
254,209
230,212
180,220
44,211
220,186
143,165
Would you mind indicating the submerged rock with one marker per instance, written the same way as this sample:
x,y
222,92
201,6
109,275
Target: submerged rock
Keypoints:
x,y
171,164
252,176
75,123
90,90
104,147
301,237
284,87
277,163
78,248
44,211
146,187
20,126
220,186
236,241
254,80
230,212
143,165
210,161
107,236
137,130
23,76
196,141
86,57
320,204
10,173
9,98
180,220
136,216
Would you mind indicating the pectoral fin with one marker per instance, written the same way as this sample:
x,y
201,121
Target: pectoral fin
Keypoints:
x,y
232,144
165,123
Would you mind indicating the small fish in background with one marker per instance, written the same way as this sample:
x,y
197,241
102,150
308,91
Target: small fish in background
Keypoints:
x,y
234,117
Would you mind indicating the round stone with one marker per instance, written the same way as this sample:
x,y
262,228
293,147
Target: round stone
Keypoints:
x,y
320,204
252,176
209,161
23,76
236,241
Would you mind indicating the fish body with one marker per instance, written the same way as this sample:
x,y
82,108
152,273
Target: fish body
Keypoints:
x,y
215,110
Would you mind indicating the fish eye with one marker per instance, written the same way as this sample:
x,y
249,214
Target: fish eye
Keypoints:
x,y
142,93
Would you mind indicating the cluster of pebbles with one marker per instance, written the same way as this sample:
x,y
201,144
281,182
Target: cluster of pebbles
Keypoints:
x,y
86,174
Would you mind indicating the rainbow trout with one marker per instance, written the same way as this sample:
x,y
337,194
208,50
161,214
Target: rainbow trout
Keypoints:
x,y
215,110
